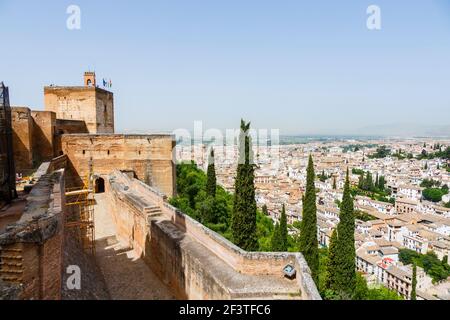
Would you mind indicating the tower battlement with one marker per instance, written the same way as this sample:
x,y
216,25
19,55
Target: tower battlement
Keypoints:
x,y
89,79
88,103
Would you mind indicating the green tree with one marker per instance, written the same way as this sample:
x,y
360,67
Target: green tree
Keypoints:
x,y
433,194
432,266
382,183
211,183
430,183
383,293
323,177
381,152
276,239
414,283
361,289
283,230
308,234
244,209
332,263
345,279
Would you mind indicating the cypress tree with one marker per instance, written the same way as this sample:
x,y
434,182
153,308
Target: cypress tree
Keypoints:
x,y
361,181
334,184
382,183
211,183
345,274
414,283
283,230
243,224
276,239
332,263
308,232
370,185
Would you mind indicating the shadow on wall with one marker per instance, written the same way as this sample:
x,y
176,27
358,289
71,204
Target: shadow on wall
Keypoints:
x,y
42,148
73,179
22,155
194,261
164,256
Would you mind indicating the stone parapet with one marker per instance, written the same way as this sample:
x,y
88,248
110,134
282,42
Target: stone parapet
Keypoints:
x,y
31,249
176,239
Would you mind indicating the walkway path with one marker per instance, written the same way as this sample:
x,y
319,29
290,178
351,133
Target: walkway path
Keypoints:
x,y
127,276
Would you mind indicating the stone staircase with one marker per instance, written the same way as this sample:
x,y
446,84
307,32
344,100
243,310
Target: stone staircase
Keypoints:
x,y
153,211
11,264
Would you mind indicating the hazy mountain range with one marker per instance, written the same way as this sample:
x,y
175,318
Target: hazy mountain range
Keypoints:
x,y
406,130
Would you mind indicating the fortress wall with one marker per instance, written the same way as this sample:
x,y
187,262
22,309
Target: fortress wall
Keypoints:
x,y
67,127
32,248
33,137
244,262
129,220
22,126
92,105
58,163
43,135
159,246
70,126
183,265
104,104
73,103
176,260
150,157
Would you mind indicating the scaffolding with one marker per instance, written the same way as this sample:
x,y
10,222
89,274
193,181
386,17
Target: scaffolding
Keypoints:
x,y
80,214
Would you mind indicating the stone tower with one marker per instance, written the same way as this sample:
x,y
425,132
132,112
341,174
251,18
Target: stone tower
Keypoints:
x,y
7,168
89,79
88,103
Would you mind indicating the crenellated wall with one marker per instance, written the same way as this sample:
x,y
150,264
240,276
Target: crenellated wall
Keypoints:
x,y
194,261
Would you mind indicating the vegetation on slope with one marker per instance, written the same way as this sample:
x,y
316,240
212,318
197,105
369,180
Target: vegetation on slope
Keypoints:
x,y
362,290
438,270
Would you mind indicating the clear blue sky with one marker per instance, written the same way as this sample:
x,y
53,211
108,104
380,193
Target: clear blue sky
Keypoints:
x,y
300,66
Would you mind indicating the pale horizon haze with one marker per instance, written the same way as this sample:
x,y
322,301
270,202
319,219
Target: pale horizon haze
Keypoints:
x,y
304,67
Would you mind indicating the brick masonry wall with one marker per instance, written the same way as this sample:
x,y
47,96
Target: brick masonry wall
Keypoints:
x,y
92,105
22,126
37,243
105,111
149,156
43,135
172,258
33,137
